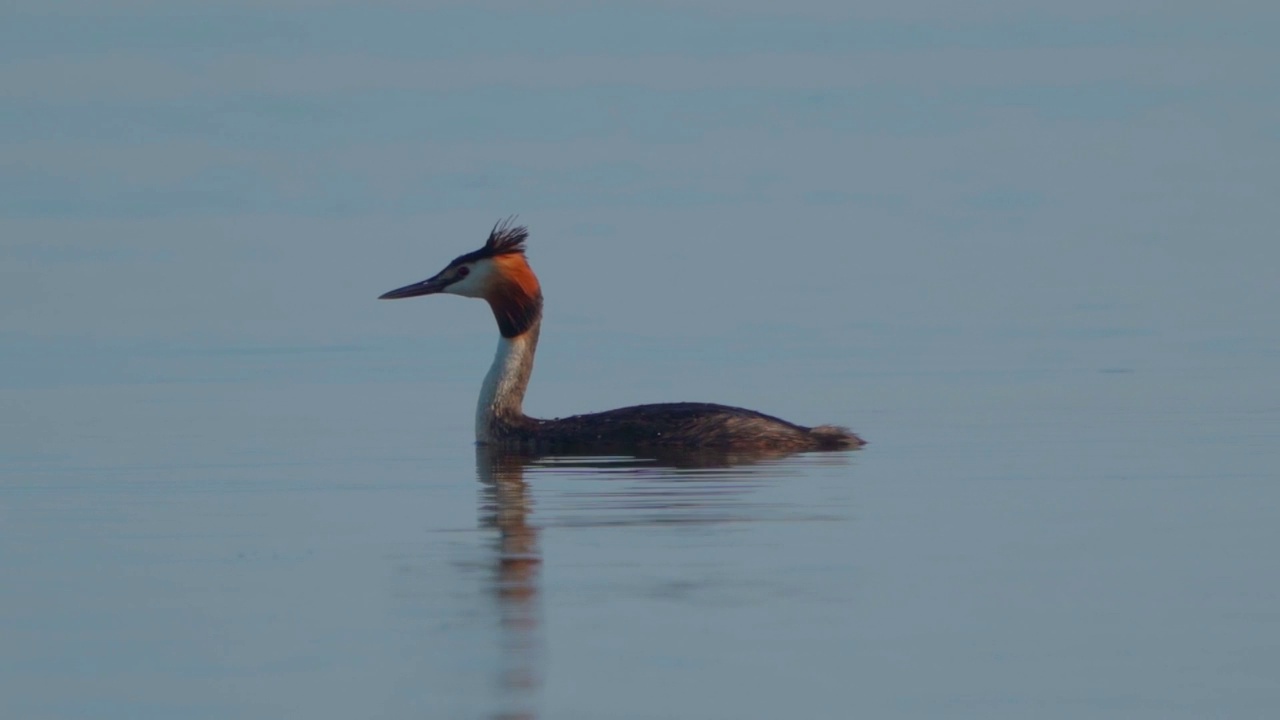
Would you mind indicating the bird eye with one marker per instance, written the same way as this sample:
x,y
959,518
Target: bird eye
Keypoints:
x,y
463,271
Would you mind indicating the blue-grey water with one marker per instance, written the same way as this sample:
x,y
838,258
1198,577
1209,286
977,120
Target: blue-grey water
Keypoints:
x,y
1027,250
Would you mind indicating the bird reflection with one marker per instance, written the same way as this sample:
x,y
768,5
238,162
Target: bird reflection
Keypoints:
x,y
506,506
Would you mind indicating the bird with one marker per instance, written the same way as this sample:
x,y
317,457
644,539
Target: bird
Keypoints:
x,y
499,273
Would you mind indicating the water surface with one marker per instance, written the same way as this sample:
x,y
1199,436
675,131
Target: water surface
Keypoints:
x,y
1027,252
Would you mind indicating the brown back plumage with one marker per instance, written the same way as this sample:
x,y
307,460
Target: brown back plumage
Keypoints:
x,y
705,425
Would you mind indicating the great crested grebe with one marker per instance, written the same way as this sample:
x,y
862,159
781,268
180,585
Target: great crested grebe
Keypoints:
x,y
499,274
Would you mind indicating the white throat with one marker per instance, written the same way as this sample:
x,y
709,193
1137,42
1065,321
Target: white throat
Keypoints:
x,y
502,394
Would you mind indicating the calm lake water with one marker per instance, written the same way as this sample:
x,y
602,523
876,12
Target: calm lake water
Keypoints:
x,y
1071,543
1028,254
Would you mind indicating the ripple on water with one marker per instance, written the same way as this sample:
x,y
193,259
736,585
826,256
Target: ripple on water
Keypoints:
x,y
658,488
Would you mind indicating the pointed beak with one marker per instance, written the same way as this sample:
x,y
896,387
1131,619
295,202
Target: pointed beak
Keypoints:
x,y
430,286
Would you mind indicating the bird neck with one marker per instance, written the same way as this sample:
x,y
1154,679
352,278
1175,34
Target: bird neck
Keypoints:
x,y
514,295
501,402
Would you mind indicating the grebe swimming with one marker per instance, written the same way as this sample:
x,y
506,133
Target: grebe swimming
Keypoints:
x,y
499,274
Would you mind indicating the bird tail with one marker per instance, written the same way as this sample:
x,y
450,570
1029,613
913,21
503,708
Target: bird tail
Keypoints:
x,y
834,437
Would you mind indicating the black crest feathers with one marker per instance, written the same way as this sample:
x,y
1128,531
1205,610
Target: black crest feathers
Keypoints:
x,y
504,239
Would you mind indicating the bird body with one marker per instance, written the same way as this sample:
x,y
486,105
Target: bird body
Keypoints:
x,y
500,274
